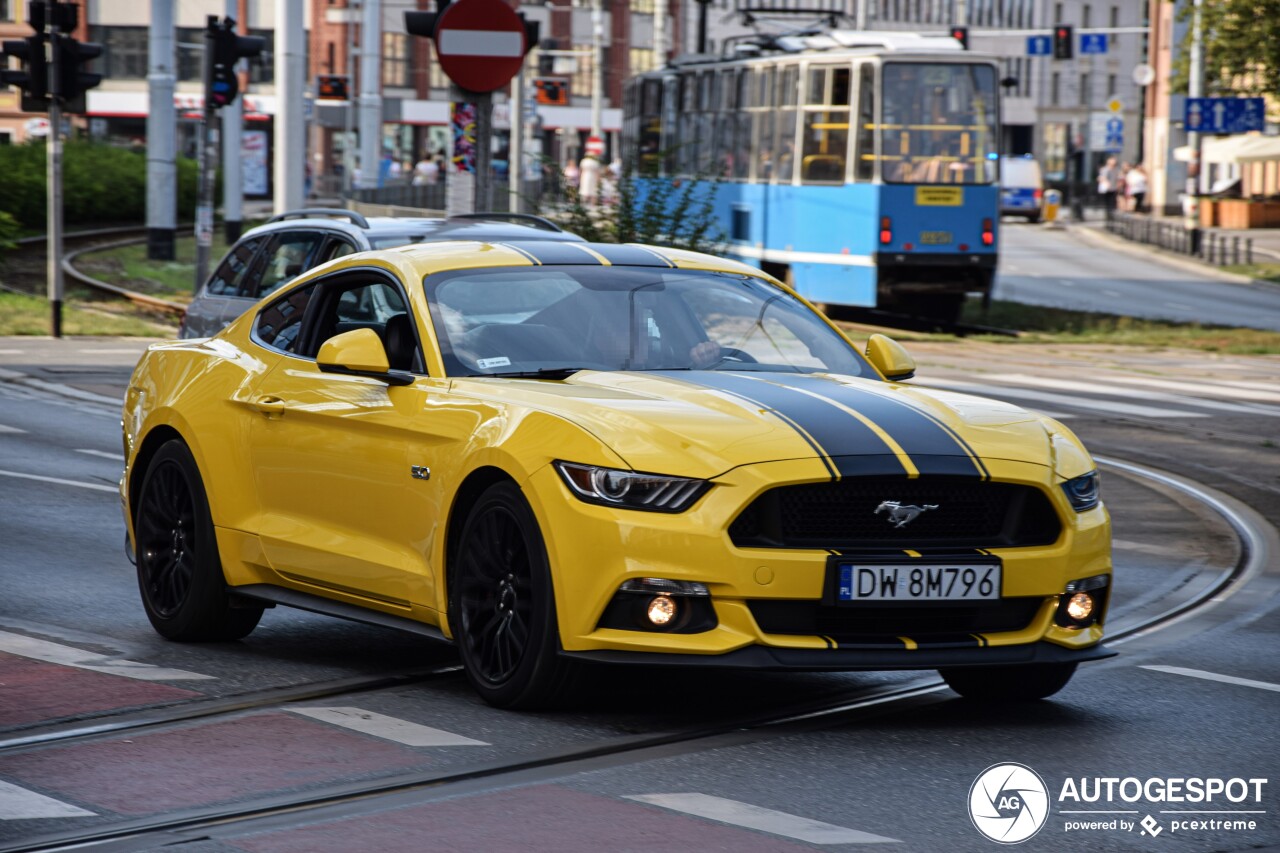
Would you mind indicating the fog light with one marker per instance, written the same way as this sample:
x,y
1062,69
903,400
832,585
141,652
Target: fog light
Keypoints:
x,y
1080,606
662,609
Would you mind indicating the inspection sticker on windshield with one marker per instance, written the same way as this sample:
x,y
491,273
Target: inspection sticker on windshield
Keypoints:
x,y
939,196
918,583
499,361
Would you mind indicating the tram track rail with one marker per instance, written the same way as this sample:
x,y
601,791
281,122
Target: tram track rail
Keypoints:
x,y
1258,541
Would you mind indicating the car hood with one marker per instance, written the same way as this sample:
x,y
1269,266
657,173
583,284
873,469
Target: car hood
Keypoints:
x,y
703,423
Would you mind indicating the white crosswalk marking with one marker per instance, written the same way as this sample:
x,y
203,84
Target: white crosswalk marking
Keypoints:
x,y
11,430
114,457
762,819
1214,676
20,804
29,647
1207,388
1112,407
1102,387
387,728
97,487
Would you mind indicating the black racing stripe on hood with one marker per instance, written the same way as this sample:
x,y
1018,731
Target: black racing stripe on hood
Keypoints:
x,y
836,433
932,445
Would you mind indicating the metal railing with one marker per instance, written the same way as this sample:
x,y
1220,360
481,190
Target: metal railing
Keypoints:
x,y
431,199
1214,247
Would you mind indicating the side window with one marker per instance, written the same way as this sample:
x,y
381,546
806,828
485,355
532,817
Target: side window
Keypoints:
x,y
280,322
288,257
335,248
376,305
229,276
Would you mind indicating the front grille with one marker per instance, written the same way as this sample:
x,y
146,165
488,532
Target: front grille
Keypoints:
x,y
970,514
918,621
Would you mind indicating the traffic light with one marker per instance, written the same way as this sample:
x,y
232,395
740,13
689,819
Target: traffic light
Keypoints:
x,y
1063,42
961,34
224,48
33,76
74,81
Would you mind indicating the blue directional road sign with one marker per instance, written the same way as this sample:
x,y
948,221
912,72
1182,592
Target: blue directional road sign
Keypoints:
x,y
1093,42
1224,115
1115,135
1039,45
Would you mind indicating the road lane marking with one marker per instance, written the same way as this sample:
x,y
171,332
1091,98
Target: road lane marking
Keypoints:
x,y
10,352
1101,388
765,820
111,351
1114,294
1180,306
387,728
1147,548
60,481
1200,386
20,804
114,457
8,430
1106,406
29,647
1214,676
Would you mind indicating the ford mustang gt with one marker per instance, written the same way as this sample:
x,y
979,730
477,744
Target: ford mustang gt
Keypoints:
x,y
553,454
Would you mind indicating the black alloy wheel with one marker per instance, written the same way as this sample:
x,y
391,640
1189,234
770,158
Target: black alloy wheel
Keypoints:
x,y
502,606
179,571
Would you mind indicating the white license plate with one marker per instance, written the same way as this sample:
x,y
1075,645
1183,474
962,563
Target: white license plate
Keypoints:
x,y
918,583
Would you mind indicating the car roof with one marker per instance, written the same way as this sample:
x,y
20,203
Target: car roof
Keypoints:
x,y
488,232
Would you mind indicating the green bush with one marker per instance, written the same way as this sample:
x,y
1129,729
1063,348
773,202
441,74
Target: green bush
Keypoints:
x,y
9,231
100,184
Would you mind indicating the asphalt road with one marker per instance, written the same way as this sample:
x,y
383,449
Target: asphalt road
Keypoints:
x,y
1060,269
72,634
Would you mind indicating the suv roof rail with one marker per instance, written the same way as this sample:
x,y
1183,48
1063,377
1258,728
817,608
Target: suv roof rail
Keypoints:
x,y
308,212
539,222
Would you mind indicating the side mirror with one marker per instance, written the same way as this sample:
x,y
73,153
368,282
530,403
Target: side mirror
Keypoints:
x,y
890,358
360,353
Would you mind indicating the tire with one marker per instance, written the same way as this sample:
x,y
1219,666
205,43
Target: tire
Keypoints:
x,y
1019,683
502,605
179,571
1033,218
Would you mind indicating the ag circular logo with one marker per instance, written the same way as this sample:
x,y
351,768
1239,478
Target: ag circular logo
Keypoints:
x,y
1008,803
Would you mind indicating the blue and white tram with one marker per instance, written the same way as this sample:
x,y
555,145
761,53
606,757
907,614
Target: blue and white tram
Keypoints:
x,y
860,167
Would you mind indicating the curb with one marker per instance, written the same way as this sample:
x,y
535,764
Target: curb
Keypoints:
x,y
1099,236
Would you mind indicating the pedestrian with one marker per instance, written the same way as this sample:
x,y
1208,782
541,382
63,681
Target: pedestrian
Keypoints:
x,y
426,173
1123,201
1109,185
1136,183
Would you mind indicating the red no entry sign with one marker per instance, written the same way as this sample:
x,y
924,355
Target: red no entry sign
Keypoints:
x,y
481,44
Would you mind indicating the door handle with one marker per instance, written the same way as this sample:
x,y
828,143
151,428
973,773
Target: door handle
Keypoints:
x,y
268,405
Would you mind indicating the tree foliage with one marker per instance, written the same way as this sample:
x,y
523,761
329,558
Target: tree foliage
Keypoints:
x,y
1241,47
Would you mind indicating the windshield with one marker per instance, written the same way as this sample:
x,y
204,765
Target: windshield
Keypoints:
x,y
551,319
938,123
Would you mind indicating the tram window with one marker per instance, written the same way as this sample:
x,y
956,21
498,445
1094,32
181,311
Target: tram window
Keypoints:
x,y
786,146
743,97
787,86
742,147
866,149
765,96
726,129
939,123
764,146
826,129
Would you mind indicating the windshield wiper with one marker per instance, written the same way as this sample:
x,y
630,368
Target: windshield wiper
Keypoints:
x,y
540,373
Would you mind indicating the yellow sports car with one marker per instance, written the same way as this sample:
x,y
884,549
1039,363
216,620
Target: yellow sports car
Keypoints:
x,y
559,453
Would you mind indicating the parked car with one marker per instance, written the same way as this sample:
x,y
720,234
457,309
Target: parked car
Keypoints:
x,y
272,255
1021,187
559,453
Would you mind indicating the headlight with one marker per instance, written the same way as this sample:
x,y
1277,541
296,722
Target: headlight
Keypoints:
x,y
1083,491
629,489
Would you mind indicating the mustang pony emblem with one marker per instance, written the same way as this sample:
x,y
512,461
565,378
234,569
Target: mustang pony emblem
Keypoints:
x,y
903,515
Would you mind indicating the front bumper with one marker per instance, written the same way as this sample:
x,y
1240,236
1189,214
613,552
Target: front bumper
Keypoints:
x,y
593,549
851,660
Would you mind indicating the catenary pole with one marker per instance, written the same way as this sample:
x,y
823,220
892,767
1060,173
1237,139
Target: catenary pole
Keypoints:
x,y
162,135
370,92
232,167
290,141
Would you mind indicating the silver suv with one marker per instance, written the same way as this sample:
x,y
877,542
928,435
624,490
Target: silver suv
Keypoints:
x,y
288,245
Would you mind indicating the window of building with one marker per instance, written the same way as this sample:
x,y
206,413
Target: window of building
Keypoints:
x,y
1115,16
1111,85
1057,13
124,51
1084,90
641,59
395,59
436,78
1085,16
582,80
643,7
6,10
1055,83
